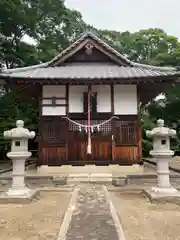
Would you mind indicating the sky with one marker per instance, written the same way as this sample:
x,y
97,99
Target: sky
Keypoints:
x,y
130,15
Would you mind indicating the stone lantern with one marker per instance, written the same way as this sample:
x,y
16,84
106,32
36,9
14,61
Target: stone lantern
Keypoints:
x,y
19,153
162,154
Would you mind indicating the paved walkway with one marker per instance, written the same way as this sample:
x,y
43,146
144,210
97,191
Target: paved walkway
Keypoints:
x,y
92,218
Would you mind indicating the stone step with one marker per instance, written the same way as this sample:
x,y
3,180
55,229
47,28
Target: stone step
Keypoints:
x,y
89,178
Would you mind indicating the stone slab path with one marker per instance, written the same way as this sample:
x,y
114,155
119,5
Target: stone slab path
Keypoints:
x,y
92,218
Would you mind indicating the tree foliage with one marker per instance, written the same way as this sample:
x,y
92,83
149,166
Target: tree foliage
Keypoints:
x,y
53,27
48,22
150,46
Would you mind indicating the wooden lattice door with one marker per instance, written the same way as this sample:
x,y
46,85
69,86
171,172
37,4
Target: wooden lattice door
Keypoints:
x,y
101,141
77,144
53,141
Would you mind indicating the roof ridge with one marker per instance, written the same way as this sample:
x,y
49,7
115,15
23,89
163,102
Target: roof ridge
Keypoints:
x,y
152,67
20,69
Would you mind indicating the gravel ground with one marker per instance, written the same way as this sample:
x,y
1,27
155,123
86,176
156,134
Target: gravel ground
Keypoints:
x,y
145,221
38,220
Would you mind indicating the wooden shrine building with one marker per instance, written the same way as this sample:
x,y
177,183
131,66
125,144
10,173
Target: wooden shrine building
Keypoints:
x,y
89,103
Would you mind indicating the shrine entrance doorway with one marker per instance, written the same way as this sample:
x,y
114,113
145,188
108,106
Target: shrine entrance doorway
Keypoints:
x,y
101,144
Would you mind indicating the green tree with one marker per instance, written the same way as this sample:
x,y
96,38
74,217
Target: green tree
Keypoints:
x,y
48,22
13,108
14,24
150,46
52,26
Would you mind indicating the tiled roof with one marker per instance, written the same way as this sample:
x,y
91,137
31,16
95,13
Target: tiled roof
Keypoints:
x,y
127,70
87,71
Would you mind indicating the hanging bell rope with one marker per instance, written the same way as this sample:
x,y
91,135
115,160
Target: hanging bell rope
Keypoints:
x,y
89,121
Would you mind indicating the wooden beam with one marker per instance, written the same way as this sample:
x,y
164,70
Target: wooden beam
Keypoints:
x,y
113,121
139,132
112,99
39,159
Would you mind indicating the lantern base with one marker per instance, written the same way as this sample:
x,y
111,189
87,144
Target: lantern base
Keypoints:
x,y
163,195
27,197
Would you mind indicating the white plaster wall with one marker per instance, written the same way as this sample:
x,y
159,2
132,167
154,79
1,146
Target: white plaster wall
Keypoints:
x,y
54,111
76,98
125,99
54,91
103,97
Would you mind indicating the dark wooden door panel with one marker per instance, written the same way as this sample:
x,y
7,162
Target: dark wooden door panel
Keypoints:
x,y
77,152
124,155
53,141
54,156
101,142
102,151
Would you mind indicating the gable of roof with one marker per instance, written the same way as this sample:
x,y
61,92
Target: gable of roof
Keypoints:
x,y
96,42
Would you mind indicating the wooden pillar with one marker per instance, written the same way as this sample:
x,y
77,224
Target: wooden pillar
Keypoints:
x,y
67,99
67,123
139,132
113,121
39,159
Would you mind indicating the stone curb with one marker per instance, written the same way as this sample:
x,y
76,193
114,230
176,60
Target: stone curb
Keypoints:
x,y
114,215
68,216
170,168
57,189
10,169
6,170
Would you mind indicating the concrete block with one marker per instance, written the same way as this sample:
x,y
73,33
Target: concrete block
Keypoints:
x,y
119,181
59,180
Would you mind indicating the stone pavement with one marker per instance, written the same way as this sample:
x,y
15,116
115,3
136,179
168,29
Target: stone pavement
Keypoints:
x,y
92,218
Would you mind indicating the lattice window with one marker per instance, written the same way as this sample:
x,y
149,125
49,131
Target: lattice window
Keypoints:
x,y
126,133
103,130
54,131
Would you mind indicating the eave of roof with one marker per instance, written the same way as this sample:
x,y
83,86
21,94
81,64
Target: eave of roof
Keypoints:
x,y
88,71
